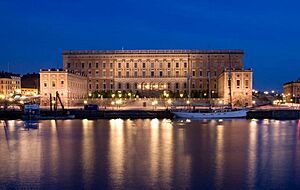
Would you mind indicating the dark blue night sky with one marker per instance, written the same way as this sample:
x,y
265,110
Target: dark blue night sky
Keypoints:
x,y
34,33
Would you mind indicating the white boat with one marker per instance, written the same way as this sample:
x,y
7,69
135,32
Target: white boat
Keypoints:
x,y
213,114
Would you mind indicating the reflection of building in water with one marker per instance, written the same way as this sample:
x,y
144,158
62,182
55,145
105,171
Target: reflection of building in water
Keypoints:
x,y
116,152
252,154
219,161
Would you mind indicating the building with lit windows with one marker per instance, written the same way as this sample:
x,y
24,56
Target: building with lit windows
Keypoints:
x,y
71,86
291,91
152,72
10,84
240,82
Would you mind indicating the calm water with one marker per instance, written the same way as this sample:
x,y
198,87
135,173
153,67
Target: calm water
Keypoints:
x,y
151,154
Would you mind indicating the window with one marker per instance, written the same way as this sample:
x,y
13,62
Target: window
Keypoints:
x,y
111,74
160,73
69,65
152,73
194,73
127,65
111,65
135,85
144,74
97,65
177,65
185,65
119,85
177,73
104,74
169,73
62,82
90,65
119,65
200,73
104,65
152,65
127,73
45,84
238,83
193,85
169,65
127,85
90,86
184,85
135,65
144,65
53,84
97,86
135,74
177,85
169,85
119,74
82,65
160,65
104,85
246,83
215,73
96,73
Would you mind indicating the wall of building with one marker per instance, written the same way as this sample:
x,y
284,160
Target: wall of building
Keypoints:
x,y
142,70
291,91
241,87
71,87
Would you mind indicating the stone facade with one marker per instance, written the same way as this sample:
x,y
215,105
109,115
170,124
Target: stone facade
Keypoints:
x,y
10,84
72,87
152,70
291,91
241,87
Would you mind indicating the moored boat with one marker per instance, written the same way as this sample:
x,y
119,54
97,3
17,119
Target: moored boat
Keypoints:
x,y
211,114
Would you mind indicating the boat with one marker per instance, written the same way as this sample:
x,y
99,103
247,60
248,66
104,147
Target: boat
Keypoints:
x,y
210,112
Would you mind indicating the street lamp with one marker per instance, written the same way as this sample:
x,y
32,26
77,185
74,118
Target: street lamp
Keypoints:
x,y
181,95
113,95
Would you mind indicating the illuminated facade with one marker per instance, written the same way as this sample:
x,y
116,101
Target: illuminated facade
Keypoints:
x,y
292,91
241,87
72,87
10,84
151,70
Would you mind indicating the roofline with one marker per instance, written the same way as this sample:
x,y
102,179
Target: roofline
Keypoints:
x,y
168,51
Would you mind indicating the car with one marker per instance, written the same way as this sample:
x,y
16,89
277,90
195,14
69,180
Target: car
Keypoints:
x,y
94,107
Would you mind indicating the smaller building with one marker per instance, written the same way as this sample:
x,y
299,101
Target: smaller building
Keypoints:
x,y
72,87
10,84
291,91
241,87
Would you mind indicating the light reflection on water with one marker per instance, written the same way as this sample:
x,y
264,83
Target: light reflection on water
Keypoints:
x,y
157,154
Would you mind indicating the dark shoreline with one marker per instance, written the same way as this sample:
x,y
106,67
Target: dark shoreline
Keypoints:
x,y
148,114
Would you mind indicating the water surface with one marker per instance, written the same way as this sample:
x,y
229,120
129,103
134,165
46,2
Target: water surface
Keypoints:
x,y
151,154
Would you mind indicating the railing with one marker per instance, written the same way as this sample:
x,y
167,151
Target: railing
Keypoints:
x,y
74,52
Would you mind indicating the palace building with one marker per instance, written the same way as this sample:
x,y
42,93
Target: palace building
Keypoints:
x,y
151,72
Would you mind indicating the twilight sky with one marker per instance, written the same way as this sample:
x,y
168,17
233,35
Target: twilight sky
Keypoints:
x,y
34,33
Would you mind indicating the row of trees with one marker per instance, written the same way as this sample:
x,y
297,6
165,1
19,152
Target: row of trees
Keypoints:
x,y
166,94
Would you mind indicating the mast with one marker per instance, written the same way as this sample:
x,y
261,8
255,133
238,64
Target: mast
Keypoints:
x,y
230,82
209,79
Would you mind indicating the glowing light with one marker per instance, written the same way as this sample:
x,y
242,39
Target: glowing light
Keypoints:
x,y
181,95
10,99
188,102
85,102
253,102
113,95
169,101
21,102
